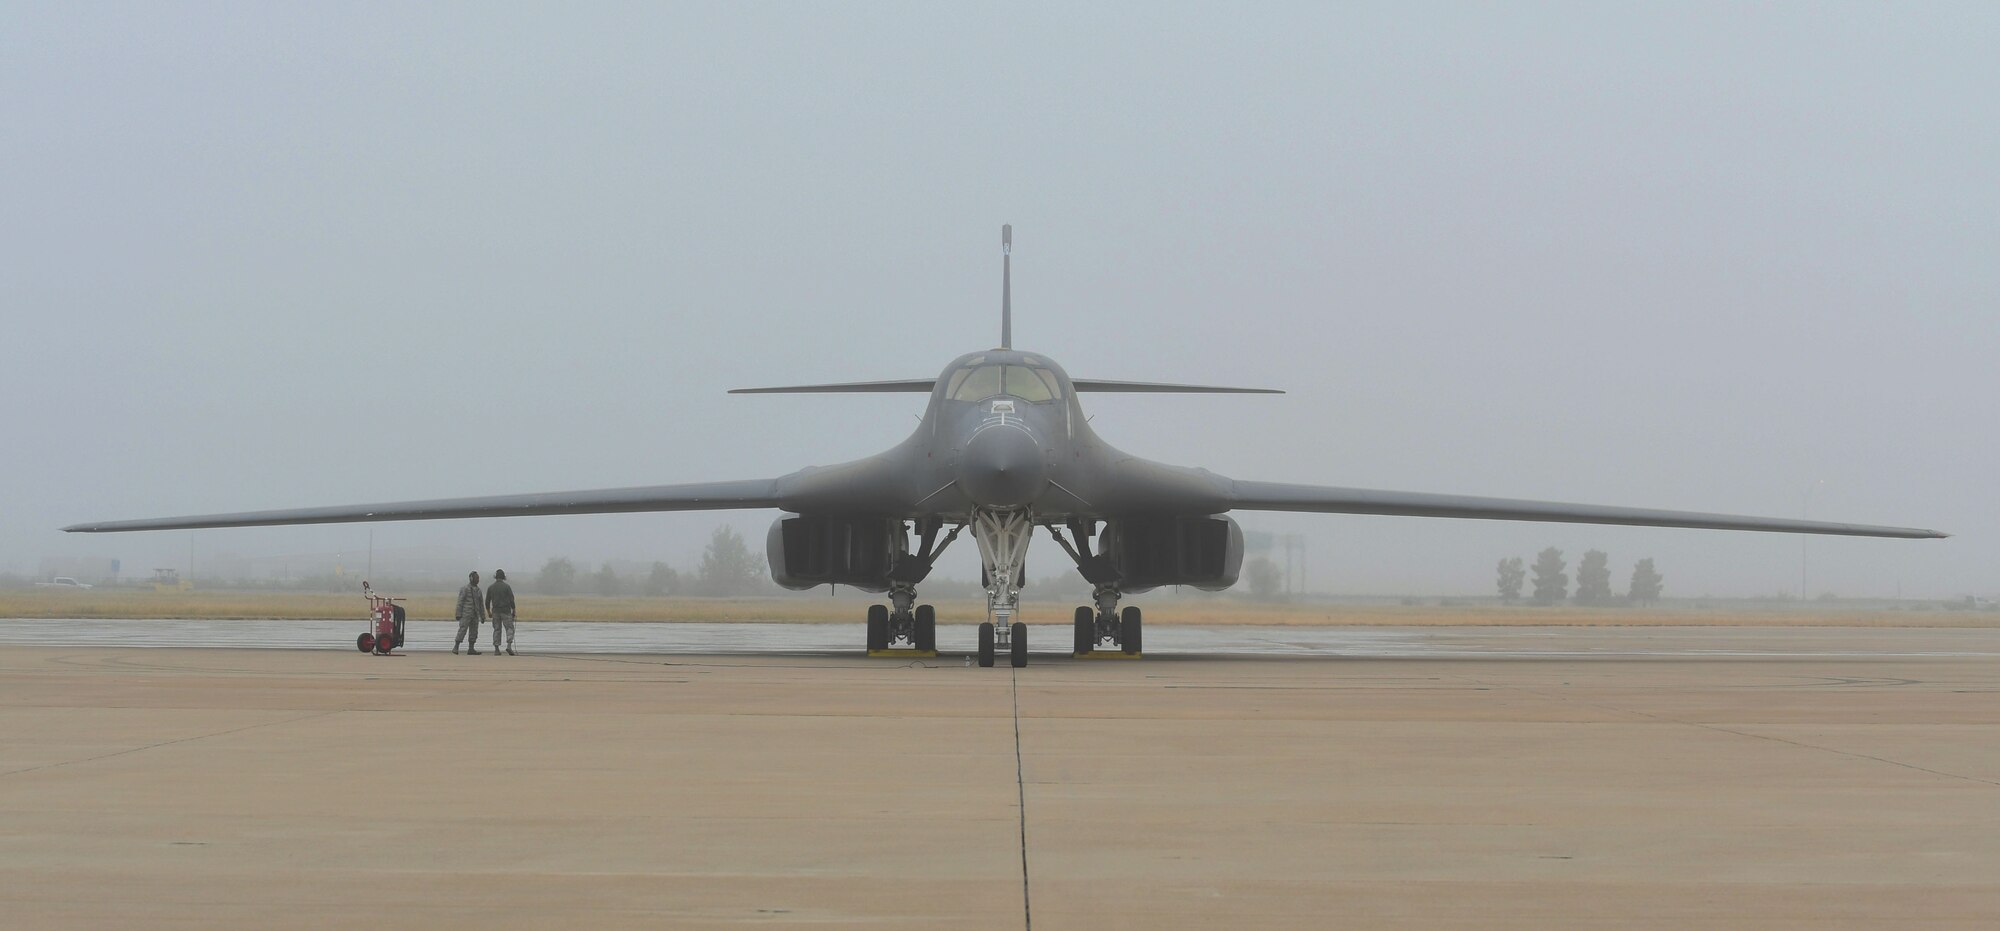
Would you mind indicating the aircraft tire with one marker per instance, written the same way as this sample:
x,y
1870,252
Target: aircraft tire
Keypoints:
x,y
1129,629
986,644
926,628
1017,646
365,643
399,614
878,627
1086,630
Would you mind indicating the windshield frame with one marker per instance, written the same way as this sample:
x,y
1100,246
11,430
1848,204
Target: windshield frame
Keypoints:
x,y
1033,384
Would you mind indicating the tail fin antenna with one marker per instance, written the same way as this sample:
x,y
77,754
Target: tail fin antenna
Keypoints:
x,y
1007,286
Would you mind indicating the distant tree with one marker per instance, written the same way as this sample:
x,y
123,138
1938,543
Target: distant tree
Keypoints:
x,y
1513,572
605,581
1646,582
1593,578
1266,581
1551,581
663,580
727,566
558,577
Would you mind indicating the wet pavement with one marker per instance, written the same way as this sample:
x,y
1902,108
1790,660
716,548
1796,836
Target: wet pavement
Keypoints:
x,y
1046,640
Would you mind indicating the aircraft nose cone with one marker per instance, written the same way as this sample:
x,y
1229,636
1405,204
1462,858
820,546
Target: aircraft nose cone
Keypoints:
x,y
1002,467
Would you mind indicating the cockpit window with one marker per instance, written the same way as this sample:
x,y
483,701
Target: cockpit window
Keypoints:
x,y
976,384
985,381
1023,383
1049,379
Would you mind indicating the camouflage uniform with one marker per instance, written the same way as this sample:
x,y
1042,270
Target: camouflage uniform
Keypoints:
x,y
471,610
500,606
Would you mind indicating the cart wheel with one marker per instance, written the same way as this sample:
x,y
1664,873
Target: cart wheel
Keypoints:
x,y
384,644
365,643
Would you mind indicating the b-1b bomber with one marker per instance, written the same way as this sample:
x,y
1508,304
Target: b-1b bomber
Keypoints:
x,y
1004,448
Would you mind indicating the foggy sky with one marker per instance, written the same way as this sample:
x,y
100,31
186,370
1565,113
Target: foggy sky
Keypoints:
x,y
1674,255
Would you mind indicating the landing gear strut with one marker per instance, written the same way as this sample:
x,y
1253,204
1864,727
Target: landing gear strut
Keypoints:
x,y
1095,626
1003,550
903,627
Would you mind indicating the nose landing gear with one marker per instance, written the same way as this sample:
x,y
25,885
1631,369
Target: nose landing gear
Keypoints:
x,y
1003,550
1011,638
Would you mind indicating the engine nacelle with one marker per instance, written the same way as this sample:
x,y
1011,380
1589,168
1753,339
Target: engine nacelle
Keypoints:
x,y
805,551
1202,551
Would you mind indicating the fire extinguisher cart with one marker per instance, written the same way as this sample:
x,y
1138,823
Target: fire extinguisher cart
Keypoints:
x,y
385,624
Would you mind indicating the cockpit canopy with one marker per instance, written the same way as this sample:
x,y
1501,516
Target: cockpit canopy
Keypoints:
x,y
979,380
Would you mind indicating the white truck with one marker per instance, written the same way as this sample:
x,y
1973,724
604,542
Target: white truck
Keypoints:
x,y
63,581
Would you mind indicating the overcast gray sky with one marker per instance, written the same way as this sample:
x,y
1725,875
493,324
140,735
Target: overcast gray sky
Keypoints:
x,y
1674,255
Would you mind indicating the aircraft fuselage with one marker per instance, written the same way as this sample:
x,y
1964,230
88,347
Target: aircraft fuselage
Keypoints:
x,y
1004,430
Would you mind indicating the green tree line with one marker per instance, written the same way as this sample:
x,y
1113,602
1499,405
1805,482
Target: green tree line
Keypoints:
x,y
1593,579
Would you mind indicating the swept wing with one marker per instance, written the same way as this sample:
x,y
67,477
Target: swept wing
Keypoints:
x,y
703,496
1275,496
917,385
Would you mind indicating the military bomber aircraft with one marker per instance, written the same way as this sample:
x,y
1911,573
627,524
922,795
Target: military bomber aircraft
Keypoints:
x,y
1003,447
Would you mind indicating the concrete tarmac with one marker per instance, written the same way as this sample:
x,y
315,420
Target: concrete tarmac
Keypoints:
x,y
1653,779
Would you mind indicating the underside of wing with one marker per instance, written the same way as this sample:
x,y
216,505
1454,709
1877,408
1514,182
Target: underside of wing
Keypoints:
x,y
1160,387
705,496
1273,496
915,385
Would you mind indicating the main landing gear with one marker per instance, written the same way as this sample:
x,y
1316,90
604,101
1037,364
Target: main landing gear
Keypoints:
x,y
905,631
905,628
1122,630
902,627
1095,627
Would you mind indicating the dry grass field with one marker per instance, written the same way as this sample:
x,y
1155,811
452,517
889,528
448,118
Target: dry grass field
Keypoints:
x,y
218,605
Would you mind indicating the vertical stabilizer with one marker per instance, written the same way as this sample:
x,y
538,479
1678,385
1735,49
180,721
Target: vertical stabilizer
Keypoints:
x,y
1007,286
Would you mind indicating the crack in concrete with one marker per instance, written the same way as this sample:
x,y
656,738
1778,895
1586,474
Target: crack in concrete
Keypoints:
x,y
169,743
1021,796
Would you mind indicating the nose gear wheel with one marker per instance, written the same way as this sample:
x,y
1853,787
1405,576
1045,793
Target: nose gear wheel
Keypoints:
x,y
1003,537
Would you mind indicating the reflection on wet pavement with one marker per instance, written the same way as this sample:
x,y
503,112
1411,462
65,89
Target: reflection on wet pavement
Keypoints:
x,y
1161,639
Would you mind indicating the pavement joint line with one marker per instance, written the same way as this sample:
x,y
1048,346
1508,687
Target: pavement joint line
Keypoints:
x,y
1845,753
1795,743
1021,794
177,740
